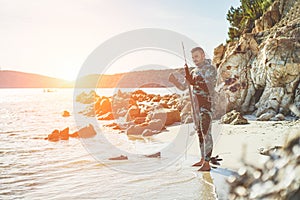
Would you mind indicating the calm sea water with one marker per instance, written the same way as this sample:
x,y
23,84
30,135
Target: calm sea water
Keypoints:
x,y
34,168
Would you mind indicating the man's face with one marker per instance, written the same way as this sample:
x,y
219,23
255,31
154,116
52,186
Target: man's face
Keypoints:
x,y
198,57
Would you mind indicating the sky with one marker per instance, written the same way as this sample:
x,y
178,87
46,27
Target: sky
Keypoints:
x,y
54,37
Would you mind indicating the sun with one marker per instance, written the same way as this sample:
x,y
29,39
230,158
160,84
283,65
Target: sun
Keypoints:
x,y
66,74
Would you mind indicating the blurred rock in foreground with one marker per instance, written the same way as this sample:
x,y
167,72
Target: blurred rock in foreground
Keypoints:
x,y
279,178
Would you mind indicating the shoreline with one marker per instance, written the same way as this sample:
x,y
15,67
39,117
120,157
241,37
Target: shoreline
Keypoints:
x,y
236,140
237,144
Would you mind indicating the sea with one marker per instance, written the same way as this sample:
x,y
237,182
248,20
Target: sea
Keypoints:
x,y
34,168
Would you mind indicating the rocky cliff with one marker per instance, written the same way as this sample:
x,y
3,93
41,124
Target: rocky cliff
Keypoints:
x,y
260,73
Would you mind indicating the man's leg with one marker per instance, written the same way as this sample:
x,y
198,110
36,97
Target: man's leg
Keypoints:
x,y
205,139
204,136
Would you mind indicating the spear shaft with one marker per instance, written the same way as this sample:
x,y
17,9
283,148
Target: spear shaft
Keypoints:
x,y
190,90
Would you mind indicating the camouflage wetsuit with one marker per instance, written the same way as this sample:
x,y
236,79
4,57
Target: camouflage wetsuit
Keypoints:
x,y
203,79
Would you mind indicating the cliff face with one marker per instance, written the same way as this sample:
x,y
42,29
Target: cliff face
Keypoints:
x,y
261,72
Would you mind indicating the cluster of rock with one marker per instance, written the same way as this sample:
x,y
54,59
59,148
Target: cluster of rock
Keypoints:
x,y
138,113
277,179
85,132
57,135
260,73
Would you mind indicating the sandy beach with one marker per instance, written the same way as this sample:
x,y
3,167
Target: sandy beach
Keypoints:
x,y
238,142
235,144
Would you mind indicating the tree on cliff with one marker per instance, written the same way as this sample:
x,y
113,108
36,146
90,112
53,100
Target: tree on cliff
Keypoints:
x,y
242,18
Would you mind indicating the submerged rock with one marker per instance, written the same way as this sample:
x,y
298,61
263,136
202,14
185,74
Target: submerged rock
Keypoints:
x,y
54,136
74,135
57,135
121,157
64,134
66,113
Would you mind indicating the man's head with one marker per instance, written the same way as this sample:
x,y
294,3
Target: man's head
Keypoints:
x,y
198,55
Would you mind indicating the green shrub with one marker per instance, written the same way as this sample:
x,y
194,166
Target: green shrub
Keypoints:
x,y
241,19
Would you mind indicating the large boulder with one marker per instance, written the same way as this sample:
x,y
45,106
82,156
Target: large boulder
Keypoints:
x,y
104,106
87,132
168,116
132,113
155,126
85,98
233,118
135,130
121,102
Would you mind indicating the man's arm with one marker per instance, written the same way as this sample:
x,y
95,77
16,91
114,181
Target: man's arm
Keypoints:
x,y
188,75
177,78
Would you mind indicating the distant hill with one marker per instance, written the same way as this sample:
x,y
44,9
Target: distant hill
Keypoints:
x,y
137,79
14,79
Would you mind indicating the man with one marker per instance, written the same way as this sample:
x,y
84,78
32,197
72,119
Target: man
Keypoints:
x,y
203,80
